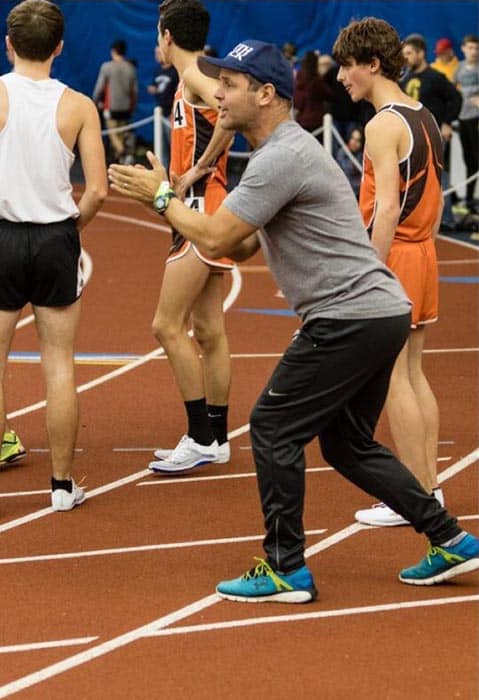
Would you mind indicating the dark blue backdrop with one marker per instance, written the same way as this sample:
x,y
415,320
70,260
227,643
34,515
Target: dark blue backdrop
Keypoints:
x,y
311,24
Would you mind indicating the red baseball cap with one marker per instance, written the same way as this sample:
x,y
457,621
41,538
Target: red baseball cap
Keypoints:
x,y
442,45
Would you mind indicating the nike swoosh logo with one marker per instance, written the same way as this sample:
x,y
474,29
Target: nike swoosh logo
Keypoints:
x,y
275,393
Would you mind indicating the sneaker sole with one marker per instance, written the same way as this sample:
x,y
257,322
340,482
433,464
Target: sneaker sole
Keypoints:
x,y
464,568
164,454
13,458
306,596
178,470
381,523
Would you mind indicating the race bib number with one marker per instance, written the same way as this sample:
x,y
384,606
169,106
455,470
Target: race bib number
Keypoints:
x,y
179,115
196,203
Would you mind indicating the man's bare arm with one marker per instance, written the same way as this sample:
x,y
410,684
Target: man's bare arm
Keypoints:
x,y
92,156
221,234
383,135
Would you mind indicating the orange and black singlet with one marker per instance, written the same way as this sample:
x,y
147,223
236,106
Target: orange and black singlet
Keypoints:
x,y
419,176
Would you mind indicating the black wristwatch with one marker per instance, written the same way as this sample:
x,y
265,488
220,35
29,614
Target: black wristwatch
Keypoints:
x,y
164,194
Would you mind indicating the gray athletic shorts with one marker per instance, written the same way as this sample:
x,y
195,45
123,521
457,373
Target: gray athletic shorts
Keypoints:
x,y
40,263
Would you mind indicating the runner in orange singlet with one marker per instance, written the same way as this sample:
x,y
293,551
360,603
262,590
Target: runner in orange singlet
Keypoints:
x,y
192,287
401,202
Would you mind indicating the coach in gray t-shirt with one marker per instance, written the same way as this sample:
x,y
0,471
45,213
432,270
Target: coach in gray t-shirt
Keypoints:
x,y
333,379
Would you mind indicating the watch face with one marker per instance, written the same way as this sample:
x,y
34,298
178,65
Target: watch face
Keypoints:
x,y
160,203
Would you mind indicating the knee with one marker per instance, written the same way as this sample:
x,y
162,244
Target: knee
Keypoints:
x,y
164,330
208,336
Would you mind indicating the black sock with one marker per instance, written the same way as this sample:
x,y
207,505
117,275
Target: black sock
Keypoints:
x,y
65,484
218,416
198,424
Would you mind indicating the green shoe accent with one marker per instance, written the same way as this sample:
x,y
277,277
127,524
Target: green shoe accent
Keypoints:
x,y
12,449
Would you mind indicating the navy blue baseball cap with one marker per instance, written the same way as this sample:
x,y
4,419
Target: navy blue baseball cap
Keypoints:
x,y
263,61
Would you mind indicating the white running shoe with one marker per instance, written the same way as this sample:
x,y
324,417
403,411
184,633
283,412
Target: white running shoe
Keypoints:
x,y
64,500
382,515
224,453
186,455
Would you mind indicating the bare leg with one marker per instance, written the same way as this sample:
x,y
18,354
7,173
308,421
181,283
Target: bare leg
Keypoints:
x,y
406,419
183,282
8,321
209,329
57,330
426,400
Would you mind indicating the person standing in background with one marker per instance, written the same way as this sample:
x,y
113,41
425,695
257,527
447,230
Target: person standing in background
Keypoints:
x,y
115,93
467,80
41,122
163,88
446,61
311,93
442,99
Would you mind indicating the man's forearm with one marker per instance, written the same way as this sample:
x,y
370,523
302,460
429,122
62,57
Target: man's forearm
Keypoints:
x,y
197,228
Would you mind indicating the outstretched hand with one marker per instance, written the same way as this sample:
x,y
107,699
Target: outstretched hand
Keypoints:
x,y
137,182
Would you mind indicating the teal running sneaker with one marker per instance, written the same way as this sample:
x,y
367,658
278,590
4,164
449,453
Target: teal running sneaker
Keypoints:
x,y
261,585
442,563
11,449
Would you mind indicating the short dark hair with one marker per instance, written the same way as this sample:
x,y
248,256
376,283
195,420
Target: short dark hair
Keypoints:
x,y
368,38
417,41
470,38
188,22
119,46
35,28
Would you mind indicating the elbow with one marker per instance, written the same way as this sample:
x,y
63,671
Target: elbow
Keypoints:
x,y
98,194
214,249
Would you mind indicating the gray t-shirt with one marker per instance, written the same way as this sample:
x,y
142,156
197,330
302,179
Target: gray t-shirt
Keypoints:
x,y
468,79
119,78
311,231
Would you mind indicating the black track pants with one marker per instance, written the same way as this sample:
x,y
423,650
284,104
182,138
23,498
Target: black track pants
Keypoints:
x,y
332,383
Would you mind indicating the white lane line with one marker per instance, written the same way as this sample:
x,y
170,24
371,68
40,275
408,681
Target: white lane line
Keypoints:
x,y
106,647
14,494
233,293
466,261
444,459
160,480
143,548
314,615
35,646
30,517
458,466
135,222
463,244
163,622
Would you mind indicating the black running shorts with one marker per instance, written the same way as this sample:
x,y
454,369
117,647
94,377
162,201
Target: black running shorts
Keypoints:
x,y
39,263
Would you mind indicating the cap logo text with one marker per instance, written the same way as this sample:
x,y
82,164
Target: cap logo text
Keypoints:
x,y
240,51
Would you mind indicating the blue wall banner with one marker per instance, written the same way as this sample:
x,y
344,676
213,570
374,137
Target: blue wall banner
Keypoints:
x,y
92,25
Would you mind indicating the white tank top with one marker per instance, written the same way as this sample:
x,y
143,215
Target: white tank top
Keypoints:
x,y
34,161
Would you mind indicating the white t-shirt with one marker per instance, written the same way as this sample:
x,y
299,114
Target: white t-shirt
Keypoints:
x,y
34,161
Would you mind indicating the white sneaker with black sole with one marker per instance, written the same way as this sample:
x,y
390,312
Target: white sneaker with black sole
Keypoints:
x,y
381,515
64,500
186,455
224,453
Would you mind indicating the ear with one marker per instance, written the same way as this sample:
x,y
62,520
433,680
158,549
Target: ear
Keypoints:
x,y
58,50
266,94
167,37
375,65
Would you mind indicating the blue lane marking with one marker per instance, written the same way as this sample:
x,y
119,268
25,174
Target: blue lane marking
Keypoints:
x,y
268,312
460,280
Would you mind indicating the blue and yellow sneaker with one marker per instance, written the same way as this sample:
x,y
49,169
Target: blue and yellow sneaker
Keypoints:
x,y
12,449
261,585
443,563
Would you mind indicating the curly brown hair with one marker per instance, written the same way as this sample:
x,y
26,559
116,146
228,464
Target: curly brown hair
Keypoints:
x,y
368,38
